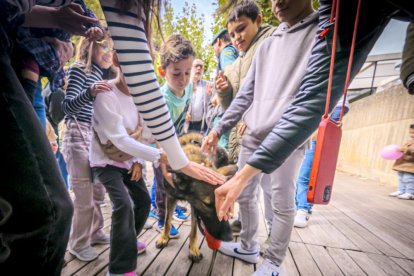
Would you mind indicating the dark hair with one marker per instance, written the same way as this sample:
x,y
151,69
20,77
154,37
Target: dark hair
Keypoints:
x,y
174,49
246,8
225,37
412,126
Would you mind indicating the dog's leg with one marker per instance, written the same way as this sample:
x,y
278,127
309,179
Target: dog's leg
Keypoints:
x,y
165,235
195,254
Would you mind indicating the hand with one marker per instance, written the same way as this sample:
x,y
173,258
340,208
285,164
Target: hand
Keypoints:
x,y
135,171
210,142
164,159
214,101
94,33
188,117
70,18
99,87
202,173
221,82
209,88
64,49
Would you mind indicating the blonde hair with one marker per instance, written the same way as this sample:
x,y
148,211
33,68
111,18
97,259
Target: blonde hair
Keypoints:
x,y
85,49
174,49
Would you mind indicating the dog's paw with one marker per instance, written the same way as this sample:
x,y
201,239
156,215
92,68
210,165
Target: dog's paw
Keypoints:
x,y
195,256
161,242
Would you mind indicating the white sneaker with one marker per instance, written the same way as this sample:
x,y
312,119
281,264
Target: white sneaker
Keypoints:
x,y
87,254
301,218
406,196
234,249
396,193
268,269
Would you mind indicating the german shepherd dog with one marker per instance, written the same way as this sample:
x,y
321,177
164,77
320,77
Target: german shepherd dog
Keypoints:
x,y
199,194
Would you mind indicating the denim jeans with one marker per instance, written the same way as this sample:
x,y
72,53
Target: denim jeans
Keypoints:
x,y
129,213
406,182
36,208
39,104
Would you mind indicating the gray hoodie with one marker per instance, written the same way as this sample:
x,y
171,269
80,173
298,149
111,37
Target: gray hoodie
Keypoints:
x,y
272,82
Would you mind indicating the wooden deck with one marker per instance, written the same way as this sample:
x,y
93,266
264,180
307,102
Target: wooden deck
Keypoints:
x,y
361,232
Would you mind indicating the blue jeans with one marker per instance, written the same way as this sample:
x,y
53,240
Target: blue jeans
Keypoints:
x,y
406,182
35,209
39,104
153,191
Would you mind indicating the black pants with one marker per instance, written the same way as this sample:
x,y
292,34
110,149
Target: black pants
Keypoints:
x,y
36,209
131,205
196,126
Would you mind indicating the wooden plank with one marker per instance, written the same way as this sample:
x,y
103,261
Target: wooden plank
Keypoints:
x,y
223,265
76,265
303,259
407,265
145,259
168,254
325,263
344,262
387,264
201,268
288,266
295,236
365,263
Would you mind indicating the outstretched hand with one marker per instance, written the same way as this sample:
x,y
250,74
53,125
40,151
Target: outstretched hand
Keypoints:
x,y
210,142
202,173
71,18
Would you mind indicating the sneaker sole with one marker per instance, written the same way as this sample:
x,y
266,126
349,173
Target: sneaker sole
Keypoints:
x,y
80,257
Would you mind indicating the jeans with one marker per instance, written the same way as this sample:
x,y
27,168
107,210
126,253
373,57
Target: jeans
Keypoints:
x,y
35,209
39,104
406,182
131,205
153,191
160,196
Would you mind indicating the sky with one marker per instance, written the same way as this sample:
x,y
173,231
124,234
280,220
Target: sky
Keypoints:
x,y
203,6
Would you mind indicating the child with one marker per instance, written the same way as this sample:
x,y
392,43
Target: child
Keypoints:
x,y
114,114
267,91
405,168
177,55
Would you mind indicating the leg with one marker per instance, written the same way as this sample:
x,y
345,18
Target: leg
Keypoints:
x,y
195,254
160,193
165,235
302,183
401,182
267,197
123,254
283,205
409,186
37,230
98,221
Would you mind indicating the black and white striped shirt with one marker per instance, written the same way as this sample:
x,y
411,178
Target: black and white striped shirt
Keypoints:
x,y
78,102
131,46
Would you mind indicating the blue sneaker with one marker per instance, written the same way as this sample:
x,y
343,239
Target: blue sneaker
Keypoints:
x,y
173,232
179,215
154,213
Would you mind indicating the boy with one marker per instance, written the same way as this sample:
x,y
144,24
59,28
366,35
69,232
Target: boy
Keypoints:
x,y
405,168
273,86
177,55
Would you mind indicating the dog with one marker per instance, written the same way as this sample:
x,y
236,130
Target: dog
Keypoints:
x,y
199,194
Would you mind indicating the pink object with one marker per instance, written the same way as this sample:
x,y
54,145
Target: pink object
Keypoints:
x,y
391,152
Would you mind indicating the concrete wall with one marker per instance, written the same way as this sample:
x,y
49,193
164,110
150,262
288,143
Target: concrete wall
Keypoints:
x,y
372,123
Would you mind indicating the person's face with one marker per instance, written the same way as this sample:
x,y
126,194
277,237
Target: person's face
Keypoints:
x,y
198,69
411,133
242,31
102,53
178,74
216,47
291,11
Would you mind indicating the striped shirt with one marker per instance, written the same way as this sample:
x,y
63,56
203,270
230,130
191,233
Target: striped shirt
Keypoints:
x,y
78,102
131,46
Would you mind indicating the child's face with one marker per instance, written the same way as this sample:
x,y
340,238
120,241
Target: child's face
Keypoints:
x,y
242,31
411,133
290,11
178,74
102,53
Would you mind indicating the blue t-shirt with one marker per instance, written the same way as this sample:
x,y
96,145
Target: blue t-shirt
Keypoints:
x,y
177,107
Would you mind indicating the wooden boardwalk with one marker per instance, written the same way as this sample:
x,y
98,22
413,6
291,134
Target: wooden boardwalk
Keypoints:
x,y
361,232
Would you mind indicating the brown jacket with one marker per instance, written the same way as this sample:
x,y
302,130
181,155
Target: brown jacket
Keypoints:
x,y
406,162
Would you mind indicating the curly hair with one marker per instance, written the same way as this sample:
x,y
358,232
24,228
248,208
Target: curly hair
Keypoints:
x,y
174,49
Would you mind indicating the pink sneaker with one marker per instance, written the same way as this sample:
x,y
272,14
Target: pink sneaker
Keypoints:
x,y
141,247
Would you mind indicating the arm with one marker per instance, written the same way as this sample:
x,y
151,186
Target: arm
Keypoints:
x,y
407,66
110,123
76,96
225,91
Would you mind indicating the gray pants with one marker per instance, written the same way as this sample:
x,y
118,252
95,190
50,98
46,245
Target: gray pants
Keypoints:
x,y
282,205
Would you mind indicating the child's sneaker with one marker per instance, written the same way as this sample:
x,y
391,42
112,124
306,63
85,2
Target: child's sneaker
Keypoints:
x,y
154,213
268,268
396,193
179,215
141,247
301,218
234,249
173,232
406,196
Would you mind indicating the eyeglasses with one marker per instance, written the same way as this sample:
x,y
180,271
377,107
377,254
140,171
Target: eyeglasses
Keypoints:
x,y
104,44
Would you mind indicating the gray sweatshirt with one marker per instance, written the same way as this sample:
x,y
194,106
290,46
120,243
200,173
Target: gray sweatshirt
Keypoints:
x,y
272,82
